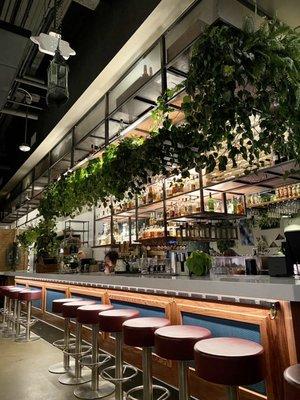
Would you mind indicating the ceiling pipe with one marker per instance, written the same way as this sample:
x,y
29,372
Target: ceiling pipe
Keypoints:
x,y
31,83
24,104
18,113
33,79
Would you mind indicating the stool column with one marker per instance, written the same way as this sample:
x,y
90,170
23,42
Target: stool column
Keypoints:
x,y
28,320
78,351
182,380
147,373
95,353
18,328
4,312
15,316
119,366
66,357
232,393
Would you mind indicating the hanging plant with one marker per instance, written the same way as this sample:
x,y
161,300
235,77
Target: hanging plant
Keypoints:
x,y
242,100
42,237
243,93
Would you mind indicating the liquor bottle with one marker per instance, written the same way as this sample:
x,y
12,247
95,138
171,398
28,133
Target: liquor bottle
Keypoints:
x,y
211,203
150,195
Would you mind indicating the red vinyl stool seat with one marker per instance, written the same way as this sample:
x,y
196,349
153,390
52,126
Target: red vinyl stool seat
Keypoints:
x,y
229,361
27,296
139,332
78,375
292,382
89,315
176,342
65,365
58,303
111,321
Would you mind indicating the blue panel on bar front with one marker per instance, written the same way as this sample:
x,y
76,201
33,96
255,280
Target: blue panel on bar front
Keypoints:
x,y
145,311
220,327
21,286
53,295
36,303
98,300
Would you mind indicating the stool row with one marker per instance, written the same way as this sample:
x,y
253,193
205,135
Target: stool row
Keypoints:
x,y
227,361
13,321
232,362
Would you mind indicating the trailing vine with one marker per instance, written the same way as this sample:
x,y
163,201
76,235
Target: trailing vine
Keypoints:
x,y
242,100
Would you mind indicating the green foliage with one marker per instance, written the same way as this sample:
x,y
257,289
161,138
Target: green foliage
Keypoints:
x,y
199,263
267,222
235,77
43,237
13,256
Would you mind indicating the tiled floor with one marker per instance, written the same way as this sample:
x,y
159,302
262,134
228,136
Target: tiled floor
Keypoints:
x,y
24,369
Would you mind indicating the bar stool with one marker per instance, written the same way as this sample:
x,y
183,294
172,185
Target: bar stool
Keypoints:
x,y
89,315
27,296
14,297
229,361
111,321
76,376
140,333
176,342
292,382
4,310
65,365
11,312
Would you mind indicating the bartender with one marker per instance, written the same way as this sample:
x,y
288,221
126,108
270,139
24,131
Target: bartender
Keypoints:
x,y
114,264
110,262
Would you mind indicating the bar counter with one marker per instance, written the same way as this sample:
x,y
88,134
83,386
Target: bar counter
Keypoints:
x,y
259,308
236,288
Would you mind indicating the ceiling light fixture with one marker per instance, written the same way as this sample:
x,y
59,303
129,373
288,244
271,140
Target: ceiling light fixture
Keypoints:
x,y
25,146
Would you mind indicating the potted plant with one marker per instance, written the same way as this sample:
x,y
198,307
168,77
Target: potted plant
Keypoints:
x,y
199,263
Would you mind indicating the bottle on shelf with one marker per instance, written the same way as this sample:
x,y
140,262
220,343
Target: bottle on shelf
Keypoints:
x,y
211,203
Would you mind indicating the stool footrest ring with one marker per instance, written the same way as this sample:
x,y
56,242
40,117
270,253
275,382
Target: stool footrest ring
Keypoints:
x,y
60,343
165,392
71,351
106,375
86,361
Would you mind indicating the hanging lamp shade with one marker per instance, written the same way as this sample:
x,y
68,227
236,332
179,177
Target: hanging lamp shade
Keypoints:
x,y
58,73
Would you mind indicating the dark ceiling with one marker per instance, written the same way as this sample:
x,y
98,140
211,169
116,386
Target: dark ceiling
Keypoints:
x,y
96,35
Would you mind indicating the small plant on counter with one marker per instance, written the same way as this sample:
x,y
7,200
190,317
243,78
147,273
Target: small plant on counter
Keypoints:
x,y
199,263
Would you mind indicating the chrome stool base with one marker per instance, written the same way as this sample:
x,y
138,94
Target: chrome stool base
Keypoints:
x,y
70,377
165,394
60,368
23,339
86,392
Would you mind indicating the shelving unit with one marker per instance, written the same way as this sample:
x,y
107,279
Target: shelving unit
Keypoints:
x,y
132,223
80,228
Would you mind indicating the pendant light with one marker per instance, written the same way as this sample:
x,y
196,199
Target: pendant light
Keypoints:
x,y
25,146
58,71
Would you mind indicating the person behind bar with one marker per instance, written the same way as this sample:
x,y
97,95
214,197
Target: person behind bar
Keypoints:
x,y
110,261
